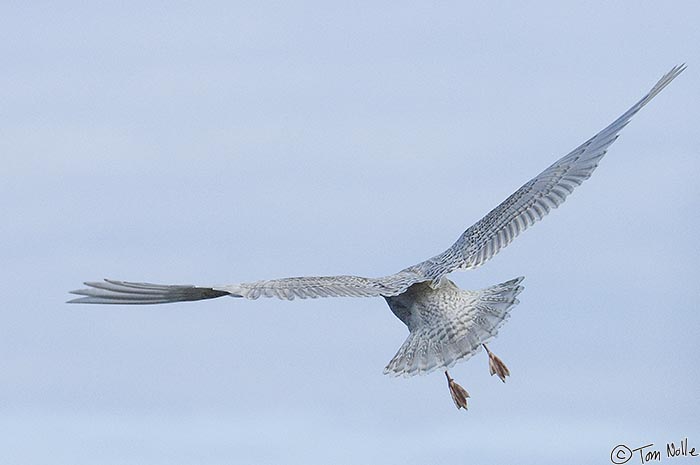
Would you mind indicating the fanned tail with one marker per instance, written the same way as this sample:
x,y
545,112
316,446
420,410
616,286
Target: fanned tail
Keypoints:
x,y
457,336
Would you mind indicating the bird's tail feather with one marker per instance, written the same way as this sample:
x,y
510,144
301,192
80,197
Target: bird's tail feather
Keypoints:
x,y
455,338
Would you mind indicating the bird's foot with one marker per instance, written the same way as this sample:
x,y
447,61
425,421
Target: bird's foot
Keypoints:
x,y
458,393
496,365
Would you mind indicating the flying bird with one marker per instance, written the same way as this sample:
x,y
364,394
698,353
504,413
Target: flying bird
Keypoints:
x,y
446,324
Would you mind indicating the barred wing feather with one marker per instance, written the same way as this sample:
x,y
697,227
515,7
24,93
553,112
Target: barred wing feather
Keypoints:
x,y
474,247
533,200
123,292
326,286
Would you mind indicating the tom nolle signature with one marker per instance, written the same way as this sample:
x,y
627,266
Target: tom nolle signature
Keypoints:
x,y
623,454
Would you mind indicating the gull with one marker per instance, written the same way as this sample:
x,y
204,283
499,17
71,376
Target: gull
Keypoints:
x,y
446,324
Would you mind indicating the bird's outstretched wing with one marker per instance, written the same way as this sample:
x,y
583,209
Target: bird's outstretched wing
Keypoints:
x,y
475,246
533,200
122,292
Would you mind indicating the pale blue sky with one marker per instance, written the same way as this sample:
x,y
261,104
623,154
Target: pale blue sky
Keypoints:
x,y
207,143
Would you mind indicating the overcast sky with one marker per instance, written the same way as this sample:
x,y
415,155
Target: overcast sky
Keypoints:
x,y
209,143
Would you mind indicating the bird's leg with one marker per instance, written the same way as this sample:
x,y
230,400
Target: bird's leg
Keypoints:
x,y
458,393
496,365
